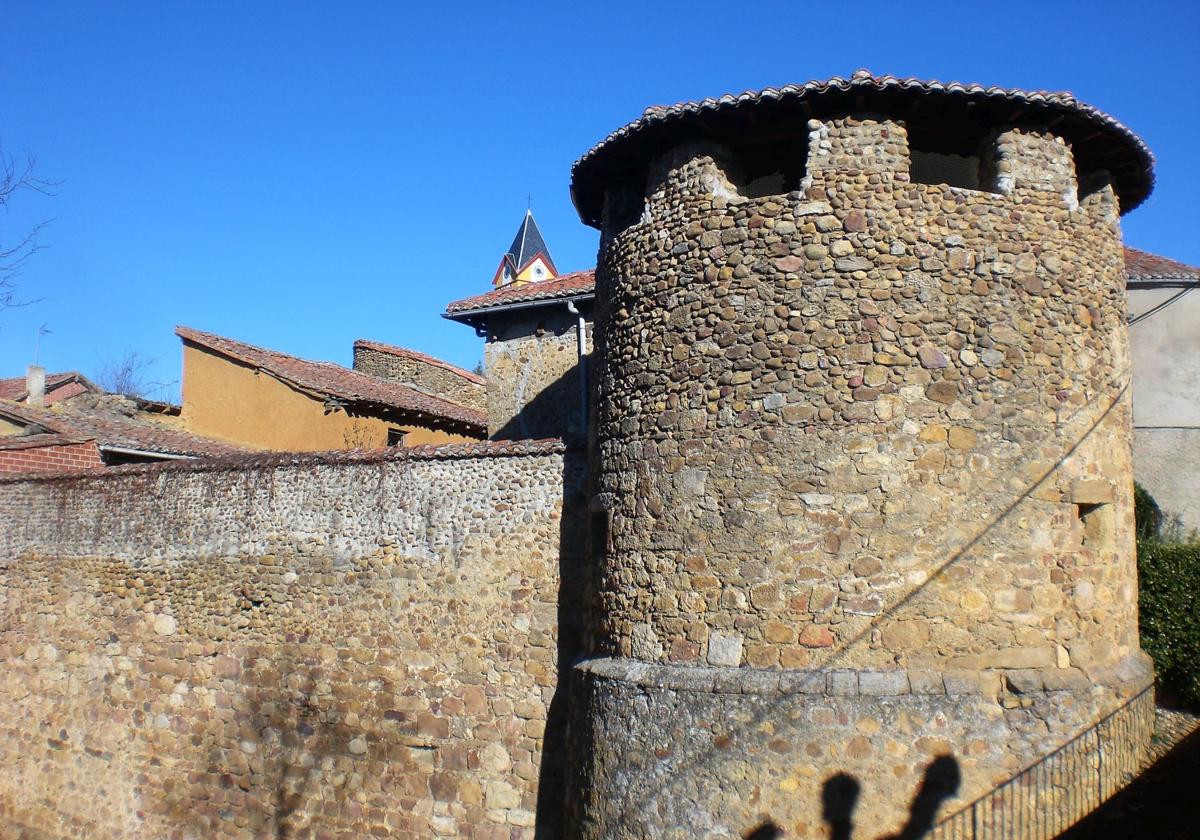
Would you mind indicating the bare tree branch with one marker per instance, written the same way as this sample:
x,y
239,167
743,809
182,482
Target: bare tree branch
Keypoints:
x,y
16,176
125,376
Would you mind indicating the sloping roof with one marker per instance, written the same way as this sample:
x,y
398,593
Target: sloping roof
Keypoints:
x,y
329,380
1140,265
8,443
405,353
114,430
1098,141
527,244
577,284
14,388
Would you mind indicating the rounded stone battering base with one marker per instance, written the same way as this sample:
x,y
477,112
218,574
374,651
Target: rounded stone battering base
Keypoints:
x,y
698,752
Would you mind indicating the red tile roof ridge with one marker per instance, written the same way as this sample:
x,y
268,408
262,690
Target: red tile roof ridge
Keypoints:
x,y
1142,265
8,443
13,388
1093,123
572,284
119,431
404,352
334,380
267,460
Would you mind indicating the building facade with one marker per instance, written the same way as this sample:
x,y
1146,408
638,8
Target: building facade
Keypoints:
x,y
536,328
1164,333
264,399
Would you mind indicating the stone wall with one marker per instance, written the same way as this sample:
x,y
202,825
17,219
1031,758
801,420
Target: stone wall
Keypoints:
x,y
309,647
872,428
532,364
425,373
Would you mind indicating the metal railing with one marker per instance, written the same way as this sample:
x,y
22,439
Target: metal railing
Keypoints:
x,y
1047,798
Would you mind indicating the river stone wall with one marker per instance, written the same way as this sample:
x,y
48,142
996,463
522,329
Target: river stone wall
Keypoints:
x,y
425,373
532,364
316,647
872,426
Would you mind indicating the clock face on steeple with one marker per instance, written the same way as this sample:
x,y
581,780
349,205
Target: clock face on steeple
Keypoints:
x,y
528,259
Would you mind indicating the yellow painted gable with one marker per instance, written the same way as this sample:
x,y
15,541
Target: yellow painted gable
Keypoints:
x,y
535,272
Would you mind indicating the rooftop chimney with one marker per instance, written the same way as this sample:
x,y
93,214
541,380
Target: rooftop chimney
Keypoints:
x,y
35,385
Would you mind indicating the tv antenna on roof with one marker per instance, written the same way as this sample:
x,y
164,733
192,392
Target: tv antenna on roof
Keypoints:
x,y
37,346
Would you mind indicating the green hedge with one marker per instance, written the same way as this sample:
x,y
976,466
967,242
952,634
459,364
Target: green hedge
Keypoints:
x,y
1146,513
1169,602
1169,593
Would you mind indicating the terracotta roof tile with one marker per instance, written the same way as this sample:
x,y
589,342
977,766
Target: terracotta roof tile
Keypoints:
x,y
575,284
9,443
14,387
1096,137
330,380
443,452
405,353
117,430
1140,265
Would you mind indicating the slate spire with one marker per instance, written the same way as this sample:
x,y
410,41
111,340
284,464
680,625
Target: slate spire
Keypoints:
x,y
527,244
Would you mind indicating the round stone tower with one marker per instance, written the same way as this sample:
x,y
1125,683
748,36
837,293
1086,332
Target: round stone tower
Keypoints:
x,y
863,516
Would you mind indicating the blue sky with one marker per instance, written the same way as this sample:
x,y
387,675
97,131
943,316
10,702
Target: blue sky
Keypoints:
x,y
298,175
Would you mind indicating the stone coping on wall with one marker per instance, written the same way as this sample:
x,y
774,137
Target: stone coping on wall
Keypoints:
x,y
275,460
1134,671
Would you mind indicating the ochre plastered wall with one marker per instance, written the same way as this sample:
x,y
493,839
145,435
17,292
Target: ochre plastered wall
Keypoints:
x,y
306,649
230,401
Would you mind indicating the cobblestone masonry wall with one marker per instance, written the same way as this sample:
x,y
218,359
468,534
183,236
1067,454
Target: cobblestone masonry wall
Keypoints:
x,y
532,365
425,374
292,649
872,426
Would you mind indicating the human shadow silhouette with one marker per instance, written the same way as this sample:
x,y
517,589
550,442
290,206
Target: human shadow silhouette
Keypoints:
x,y
941,781
839,796
766,831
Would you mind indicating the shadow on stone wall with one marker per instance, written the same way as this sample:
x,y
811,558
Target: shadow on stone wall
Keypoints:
x,y
554,409
552,774
839,796
275,746
932,792
1160,802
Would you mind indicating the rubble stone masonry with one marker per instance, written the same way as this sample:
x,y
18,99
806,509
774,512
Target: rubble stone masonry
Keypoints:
x,y
532,363
425,373
863,485
287,647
